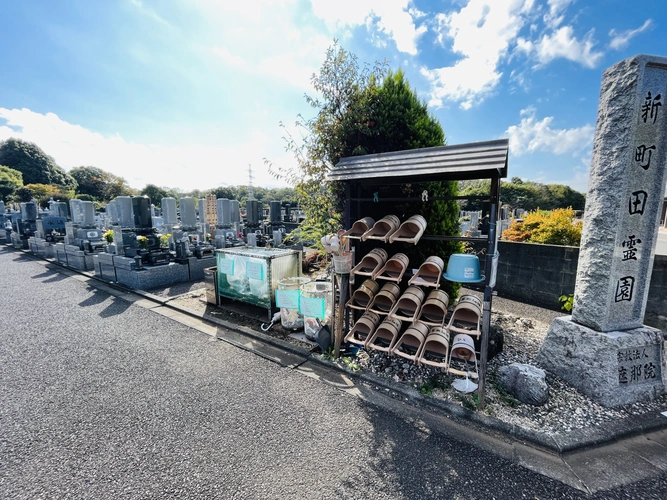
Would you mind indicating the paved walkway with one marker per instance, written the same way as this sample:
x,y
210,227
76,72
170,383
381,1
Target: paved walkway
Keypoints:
x,y
104,394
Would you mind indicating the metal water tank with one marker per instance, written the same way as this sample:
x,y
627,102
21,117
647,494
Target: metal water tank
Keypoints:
x,y
141,206
188,212
169,211
224,212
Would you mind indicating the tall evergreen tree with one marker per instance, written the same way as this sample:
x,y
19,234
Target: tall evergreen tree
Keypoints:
x,y
398,120
36,166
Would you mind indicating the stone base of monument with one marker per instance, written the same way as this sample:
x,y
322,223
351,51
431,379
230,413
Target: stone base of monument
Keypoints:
x,y
196,266
59,253
72,256
153,276
124,270
41,247
612,368
18,241
104,267
77,258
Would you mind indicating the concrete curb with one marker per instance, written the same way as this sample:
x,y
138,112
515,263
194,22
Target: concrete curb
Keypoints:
x,y
572,441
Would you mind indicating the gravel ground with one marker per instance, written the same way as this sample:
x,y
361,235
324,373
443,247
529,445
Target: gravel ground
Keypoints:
x,y
567,409
177,289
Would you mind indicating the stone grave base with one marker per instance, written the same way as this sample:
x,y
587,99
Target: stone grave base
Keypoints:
x,y
152,276
104,267
124,270
18,241
72,256
41,247
196,266
612,368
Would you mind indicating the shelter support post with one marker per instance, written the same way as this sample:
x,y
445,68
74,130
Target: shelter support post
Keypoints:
x,y
488,290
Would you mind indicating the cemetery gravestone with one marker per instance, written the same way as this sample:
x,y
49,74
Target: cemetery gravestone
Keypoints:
x,y
603,349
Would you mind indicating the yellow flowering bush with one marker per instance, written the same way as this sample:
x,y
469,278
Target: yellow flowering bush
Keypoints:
x,y
555,227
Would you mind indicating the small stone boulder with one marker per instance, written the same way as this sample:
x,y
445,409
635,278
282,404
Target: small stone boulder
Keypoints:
x,y
525,382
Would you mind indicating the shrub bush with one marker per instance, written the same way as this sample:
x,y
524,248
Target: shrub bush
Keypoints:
x,y
556,227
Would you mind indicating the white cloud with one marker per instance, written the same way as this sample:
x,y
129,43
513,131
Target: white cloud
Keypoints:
x,y
184,166
555,16
393,18
150,13
481,32
563,43
532,135
621,39
264,39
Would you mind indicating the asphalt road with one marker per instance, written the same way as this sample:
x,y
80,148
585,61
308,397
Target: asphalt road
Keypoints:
x,y
100,398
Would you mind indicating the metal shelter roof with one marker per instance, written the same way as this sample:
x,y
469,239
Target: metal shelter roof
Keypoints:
x,y
473,160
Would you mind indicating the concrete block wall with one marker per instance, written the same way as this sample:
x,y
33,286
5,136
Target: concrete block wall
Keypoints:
x,y
539,274
656,305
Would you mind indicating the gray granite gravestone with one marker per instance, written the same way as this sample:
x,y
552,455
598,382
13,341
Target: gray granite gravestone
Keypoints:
x,y
603,349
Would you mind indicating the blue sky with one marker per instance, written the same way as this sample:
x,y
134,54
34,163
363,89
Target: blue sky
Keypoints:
x,y
187,93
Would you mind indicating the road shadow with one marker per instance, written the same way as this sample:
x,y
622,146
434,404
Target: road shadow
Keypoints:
x,y
22,257
46,274
116,307
55,278
52,274
97,297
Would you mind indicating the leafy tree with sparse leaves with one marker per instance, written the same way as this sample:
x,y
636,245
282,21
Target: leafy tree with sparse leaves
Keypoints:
x,y
346,94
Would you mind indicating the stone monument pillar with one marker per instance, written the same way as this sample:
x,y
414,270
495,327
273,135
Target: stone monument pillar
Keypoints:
x,y
603,349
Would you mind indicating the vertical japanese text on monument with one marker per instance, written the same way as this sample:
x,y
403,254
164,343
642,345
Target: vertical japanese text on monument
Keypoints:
x,y
650,107
636,366
630,248
624,288
637,202
643,155
645,163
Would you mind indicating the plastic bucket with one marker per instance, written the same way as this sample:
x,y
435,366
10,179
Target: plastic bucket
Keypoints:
x,y
316,300
342,263
290,318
